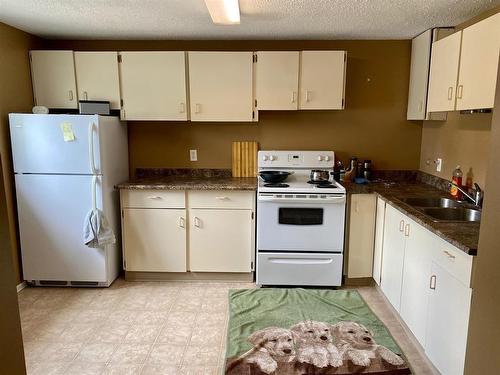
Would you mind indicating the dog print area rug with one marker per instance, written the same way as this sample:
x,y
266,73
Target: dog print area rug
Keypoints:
x,y
307,332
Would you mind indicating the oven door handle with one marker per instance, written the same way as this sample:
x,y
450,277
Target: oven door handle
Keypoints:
x,y
301,260
329,200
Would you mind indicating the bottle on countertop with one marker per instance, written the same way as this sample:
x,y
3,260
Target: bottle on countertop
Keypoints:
x,y
457,180
469,178
338,171
352,170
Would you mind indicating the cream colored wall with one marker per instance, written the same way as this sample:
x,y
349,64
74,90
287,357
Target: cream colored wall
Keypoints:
x,y
461,140
15,95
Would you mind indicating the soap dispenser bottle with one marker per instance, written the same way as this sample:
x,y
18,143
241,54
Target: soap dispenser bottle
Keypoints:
x,y
457,181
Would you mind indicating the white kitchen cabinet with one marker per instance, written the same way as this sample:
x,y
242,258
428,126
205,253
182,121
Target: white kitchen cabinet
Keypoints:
x,y
322,79
154,240
393,255
419,74
443,73
220,240
478,64
379,240
97,77
221,86
448,321
416,277
53,77
153,85
277,80
361,235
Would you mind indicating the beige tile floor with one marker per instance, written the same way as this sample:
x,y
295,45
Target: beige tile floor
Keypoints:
x,y
146,328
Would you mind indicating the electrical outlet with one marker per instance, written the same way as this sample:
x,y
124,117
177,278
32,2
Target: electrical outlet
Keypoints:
x,y
193,155
439,164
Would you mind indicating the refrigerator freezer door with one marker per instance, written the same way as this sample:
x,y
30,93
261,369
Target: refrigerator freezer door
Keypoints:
x,y
51,211
58,144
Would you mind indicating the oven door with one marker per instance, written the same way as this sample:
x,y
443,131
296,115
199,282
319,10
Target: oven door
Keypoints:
x,y
295,223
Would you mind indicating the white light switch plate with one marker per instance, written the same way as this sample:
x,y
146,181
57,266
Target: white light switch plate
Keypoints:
x,y
193,155
439,164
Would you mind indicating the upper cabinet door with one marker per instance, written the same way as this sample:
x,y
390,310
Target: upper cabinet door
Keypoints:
x,y
479,64
277,80
153,85
443,73
419,74
221,86
322,79
53,75
97,77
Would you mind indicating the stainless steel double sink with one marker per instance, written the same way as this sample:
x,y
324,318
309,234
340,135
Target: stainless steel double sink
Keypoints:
x,y
444,209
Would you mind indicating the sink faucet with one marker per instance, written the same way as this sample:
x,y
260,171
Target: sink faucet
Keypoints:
x,y
477,193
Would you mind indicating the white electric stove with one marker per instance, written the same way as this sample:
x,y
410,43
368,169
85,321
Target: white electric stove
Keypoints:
x,y
300,225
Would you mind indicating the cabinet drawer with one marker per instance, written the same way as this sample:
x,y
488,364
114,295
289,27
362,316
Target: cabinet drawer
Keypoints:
x,y
221,199
454,261
153,199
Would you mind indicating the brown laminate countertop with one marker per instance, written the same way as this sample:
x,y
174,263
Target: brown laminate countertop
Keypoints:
x,y
464,236
191,183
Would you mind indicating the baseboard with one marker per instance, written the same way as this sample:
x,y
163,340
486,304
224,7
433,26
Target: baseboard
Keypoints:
x,y
189,276
21,286
359,281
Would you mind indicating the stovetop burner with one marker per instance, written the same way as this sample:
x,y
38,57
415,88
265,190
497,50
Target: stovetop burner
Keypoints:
x,y
277,185
322,184
326,186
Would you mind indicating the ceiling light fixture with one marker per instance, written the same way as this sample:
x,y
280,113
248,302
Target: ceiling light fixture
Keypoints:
x,y
224,12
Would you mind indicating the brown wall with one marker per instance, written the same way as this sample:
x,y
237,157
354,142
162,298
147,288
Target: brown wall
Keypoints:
x,y
373,125
483,345
15,95
461,140
11,344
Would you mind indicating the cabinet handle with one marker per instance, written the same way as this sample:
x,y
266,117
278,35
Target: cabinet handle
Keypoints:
x,y
85,95
293,96
70,94
407,230
401,225
307,96
449,255
154,197
460,91
183,108
182,222
222,198
197,108
196,222
432,283
450,93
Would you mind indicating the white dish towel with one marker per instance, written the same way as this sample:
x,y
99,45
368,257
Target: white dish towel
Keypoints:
x,y
96,230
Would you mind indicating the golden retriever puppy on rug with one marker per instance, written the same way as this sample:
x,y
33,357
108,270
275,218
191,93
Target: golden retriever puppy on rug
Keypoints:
x,y
273,348
356,344
315,345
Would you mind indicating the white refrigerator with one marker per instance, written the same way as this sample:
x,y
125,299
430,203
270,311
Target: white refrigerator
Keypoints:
x,y
58,162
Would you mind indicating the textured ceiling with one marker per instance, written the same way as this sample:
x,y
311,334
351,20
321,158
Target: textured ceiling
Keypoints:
x,y
260,19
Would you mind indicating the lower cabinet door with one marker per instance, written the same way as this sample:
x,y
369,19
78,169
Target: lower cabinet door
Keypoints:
x,y
379,240
420,244
448,321
220,240
154,240
393,256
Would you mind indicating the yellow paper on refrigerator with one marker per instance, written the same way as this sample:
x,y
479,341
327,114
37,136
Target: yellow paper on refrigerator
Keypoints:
x,y
67,131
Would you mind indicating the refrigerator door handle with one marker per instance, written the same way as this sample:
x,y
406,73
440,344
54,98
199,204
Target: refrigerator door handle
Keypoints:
x,y
91,149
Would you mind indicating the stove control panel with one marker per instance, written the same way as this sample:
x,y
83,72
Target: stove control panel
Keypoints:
x,y
296,159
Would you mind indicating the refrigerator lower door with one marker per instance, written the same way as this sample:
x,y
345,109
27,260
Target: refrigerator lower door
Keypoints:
x,y
58,144
52,210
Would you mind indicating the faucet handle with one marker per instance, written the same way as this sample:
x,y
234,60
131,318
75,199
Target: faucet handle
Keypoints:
x,y
477,187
